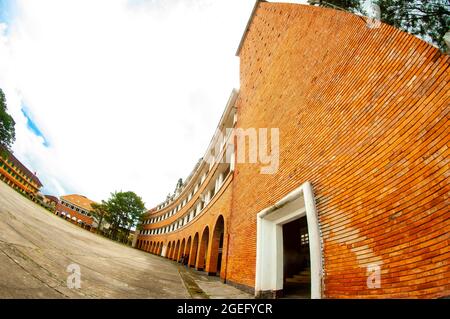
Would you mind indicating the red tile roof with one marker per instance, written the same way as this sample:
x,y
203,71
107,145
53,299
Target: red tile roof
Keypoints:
x,y
79,200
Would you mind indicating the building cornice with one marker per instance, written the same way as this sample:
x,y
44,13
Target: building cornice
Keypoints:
x,y
247,27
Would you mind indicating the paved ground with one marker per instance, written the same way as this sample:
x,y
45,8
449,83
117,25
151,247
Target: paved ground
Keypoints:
x,y
36,247
201,286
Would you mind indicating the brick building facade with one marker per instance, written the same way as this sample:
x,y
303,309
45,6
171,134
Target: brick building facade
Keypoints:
x,y
77,209
17,175
362,178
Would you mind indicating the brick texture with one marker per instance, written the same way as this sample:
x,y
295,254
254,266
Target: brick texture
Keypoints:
x,y
363,115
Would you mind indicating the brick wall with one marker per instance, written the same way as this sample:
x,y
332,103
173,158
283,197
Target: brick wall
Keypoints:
x,y
363,115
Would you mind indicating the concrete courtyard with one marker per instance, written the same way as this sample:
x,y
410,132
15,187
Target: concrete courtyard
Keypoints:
x,y
36,247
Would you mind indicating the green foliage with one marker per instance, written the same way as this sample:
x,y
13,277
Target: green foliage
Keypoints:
x,y
179,183
429,19
7,131
124,210
100,212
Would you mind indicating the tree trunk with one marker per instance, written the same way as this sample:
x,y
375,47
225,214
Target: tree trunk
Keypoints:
x,y
128,234
99,224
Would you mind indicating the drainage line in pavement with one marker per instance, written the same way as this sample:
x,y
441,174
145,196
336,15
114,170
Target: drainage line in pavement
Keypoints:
x,y
191,286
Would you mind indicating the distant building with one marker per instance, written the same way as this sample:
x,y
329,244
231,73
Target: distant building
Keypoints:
x,y
51,200
16,175
77,209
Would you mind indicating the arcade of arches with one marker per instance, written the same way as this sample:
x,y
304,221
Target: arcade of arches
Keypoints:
x,y
202,251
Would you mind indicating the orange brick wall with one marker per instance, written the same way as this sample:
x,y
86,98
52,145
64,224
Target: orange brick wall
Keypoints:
x,y
363,115
86,219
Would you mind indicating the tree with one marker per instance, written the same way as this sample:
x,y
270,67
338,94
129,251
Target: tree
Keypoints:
x,y
7,131
179,184
124,211
100,212
427,19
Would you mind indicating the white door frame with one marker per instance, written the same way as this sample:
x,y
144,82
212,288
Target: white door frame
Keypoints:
x,y
269,240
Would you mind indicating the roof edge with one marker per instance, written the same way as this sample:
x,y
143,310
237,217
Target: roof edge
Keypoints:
x,y
26,170
250,19
228,107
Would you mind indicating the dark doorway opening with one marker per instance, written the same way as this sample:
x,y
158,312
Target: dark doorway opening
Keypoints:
x,y
219,255
203,250
296,260
215,262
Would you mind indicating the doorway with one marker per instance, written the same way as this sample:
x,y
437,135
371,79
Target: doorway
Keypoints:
x,y
215,261
296,259
293,218
203,250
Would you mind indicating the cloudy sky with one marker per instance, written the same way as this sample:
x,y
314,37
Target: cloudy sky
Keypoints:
x,y
117,94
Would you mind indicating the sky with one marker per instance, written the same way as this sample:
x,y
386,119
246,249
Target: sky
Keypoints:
x,y
117,95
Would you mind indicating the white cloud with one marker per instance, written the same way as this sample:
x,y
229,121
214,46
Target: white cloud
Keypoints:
x,y
127,93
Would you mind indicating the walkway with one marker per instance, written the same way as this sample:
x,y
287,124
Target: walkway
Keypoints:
x,y
36,247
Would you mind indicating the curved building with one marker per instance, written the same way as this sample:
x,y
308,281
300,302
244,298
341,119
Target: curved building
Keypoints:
x,y
333,182
17,175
